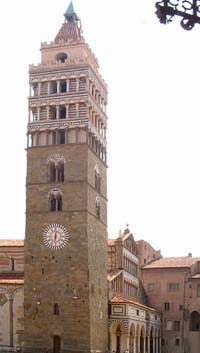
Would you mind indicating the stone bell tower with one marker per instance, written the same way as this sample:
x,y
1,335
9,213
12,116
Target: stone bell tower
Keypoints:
x,y
66,212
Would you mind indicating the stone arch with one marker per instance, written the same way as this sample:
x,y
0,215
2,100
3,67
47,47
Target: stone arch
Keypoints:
x,y
56,158
119,330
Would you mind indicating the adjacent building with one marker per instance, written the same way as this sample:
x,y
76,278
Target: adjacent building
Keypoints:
x,y
173,288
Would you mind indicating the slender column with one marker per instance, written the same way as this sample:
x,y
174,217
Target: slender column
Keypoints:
x,y
47,137
66,136
27,140
38,113
37,138
67,111
77,132
29,115
77,84
11,320
138,344
30,90
39,88
56,172
48,87
77,111
154,345
134,344
48,111
148,344
57,142
67,85
160,342
58,86
57,112
144,340
127,342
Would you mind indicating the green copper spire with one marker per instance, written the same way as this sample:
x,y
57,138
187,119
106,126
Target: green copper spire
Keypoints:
x,y
70,9
70,14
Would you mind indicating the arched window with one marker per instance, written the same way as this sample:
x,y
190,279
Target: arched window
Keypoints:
x,y
55,200
61,57
56,172
56,309
98,207
194,321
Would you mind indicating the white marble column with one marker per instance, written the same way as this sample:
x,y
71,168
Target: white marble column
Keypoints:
x,y
57,112
58,86
154,345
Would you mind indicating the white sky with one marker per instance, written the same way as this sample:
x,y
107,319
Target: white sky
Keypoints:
x,y
153,76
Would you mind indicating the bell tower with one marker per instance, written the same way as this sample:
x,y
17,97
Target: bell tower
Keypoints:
x,y
66,201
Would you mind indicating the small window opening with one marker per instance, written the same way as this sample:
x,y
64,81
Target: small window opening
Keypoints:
x,y
63,86
54,87
63,112
52,113
56,309
62,137
61,57
12,264
98,207
177,342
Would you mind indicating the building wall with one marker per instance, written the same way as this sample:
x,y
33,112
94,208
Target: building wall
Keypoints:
x,y
146,252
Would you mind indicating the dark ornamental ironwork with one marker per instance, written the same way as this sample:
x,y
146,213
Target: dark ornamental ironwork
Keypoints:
x,y
189,10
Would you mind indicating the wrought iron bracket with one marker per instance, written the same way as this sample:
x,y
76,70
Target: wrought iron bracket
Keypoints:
x,y
189,10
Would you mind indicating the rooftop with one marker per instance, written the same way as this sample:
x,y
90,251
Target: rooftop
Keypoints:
x,y
119,299
172,262
11,242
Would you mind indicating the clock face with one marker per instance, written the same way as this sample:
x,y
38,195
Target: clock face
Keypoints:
x,y
55,236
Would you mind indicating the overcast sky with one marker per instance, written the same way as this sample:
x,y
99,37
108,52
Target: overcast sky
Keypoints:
x,y
153,76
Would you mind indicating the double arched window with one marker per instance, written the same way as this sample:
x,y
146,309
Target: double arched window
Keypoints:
x,y
55,200
55,168
56,172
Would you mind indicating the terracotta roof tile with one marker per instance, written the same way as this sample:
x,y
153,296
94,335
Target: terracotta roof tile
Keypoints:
x,y
119,299
69,32
173,262
112,274
11,242
197,275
